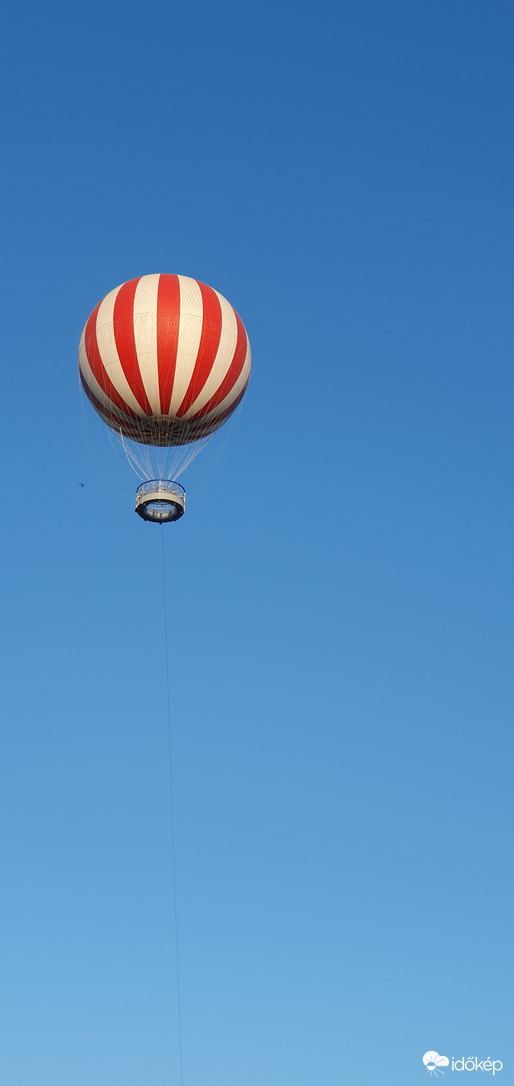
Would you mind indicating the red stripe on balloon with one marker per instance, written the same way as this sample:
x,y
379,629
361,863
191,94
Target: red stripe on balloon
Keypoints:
x,y
97,367
232,375
123,324
116,421
208,348
168,322
199,429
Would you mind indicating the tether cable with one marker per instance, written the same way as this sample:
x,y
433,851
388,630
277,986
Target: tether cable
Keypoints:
x,y
172,816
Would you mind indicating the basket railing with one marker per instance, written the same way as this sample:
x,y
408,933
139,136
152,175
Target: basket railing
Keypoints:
x,y
161,486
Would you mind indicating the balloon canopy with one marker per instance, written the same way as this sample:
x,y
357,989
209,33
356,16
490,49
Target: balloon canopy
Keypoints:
x,y
164,359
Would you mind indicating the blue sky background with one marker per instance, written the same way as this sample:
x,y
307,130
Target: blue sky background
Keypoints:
x,y
340,590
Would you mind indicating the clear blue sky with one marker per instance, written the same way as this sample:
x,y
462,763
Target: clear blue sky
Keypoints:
x,y
340,603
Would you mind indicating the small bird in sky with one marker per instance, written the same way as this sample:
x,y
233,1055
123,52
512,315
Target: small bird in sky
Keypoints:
x,y
82,484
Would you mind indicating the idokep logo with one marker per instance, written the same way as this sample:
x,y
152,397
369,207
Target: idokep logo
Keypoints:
x,y
434,1062
474,1064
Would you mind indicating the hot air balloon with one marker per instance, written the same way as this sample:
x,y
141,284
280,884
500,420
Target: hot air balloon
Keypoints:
x,y
164,360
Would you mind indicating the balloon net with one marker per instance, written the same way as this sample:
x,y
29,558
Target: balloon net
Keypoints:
x,y
160,462
155,461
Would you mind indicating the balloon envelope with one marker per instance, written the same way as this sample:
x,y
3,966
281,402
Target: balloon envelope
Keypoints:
x,y
164,359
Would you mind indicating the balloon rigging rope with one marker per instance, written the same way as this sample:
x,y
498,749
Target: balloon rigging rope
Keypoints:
x,y
172,818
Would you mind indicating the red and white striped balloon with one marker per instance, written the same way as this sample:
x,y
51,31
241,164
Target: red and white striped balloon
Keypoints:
x,y
164,360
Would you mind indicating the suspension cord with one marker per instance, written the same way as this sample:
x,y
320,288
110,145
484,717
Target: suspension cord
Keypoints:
x,y
172,817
